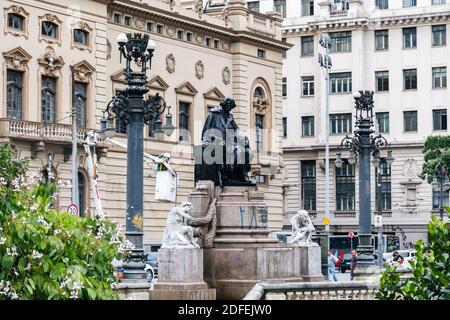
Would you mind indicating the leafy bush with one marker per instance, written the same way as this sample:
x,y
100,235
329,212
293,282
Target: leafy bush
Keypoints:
x,y
430,270
46,254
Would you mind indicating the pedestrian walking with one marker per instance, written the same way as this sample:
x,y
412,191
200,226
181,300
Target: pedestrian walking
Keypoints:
x,y
332,266
353,262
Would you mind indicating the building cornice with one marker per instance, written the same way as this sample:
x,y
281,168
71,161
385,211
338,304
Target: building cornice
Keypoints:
x,y
366,22
319,147
158,15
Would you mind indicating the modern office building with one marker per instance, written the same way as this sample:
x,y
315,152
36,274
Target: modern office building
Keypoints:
x,y
399,49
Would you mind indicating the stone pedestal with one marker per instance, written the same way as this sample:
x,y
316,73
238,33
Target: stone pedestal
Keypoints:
x,y
243,252
180,276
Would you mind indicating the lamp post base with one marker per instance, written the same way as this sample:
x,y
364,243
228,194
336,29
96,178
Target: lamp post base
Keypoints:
x,y
365,253
134,268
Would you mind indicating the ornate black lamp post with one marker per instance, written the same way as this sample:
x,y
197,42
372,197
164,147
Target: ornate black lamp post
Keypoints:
x,y
441,176
130,107
363,144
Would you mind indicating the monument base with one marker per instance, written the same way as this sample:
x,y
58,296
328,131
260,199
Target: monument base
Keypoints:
x,y
180,276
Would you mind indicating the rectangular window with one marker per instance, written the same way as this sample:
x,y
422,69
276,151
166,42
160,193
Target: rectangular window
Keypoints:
x,y
81,37
382,39
308,126
439,77
410,121
341,123
117,17
81,104
284,52
439,35
14,96
261,53
341,41
127,20
259,179
383,194
383,122
307,7
216,44
180,34
382,80
382,4
410,79
308,184
307,46
440,119
49,29
437,197
284,127
16,21
253,6
308,86
280,7
184,127
409,37
438,2
409,3
345,187
207,42
48,99
189,36
149,26
259,127
341,82
159,28
284,87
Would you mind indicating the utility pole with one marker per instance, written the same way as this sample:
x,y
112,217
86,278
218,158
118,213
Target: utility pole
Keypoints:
x,y
75,197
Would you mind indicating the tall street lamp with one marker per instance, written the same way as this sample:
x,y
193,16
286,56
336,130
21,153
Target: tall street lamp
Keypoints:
x,y
441,176
362,144
325,63
130,107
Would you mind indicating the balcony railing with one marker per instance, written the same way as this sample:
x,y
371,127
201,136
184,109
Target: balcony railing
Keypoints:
x,y
345,214
338,13
29,130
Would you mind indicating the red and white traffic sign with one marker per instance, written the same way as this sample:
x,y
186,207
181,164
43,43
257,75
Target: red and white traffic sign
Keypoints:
x,y
351,235
73,210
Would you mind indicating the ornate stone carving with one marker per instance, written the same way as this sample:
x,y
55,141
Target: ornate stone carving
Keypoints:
x,y
50,63
139,23
199,39
260,104
410,169
199,69
210,221
170,31
302,229
171,4
178,234
226,75
226,16
20,11
83,71
225,46
170,63
17,59
199,8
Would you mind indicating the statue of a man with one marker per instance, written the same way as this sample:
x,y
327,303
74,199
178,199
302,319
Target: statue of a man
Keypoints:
x,y
231,159
177,232
302,228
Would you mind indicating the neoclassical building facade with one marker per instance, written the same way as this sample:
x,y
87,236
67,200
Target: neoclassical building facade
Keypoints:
x,y
48,47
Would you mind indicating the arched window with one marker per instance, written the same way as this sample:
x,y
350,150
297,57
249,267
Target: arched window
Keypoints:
x,y
82,194
258,93
48,99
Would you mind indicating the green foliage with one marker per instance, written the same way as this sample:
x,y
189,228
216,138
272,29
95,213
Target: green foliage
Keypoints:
x,y
430,270
436,149
46,254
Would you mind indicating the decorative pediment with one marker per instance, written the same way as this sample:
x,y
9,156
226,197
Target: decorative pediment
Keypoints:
x,y
260,104
214,94
186,88
17,58
50,63
83,71
157,83
119,76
